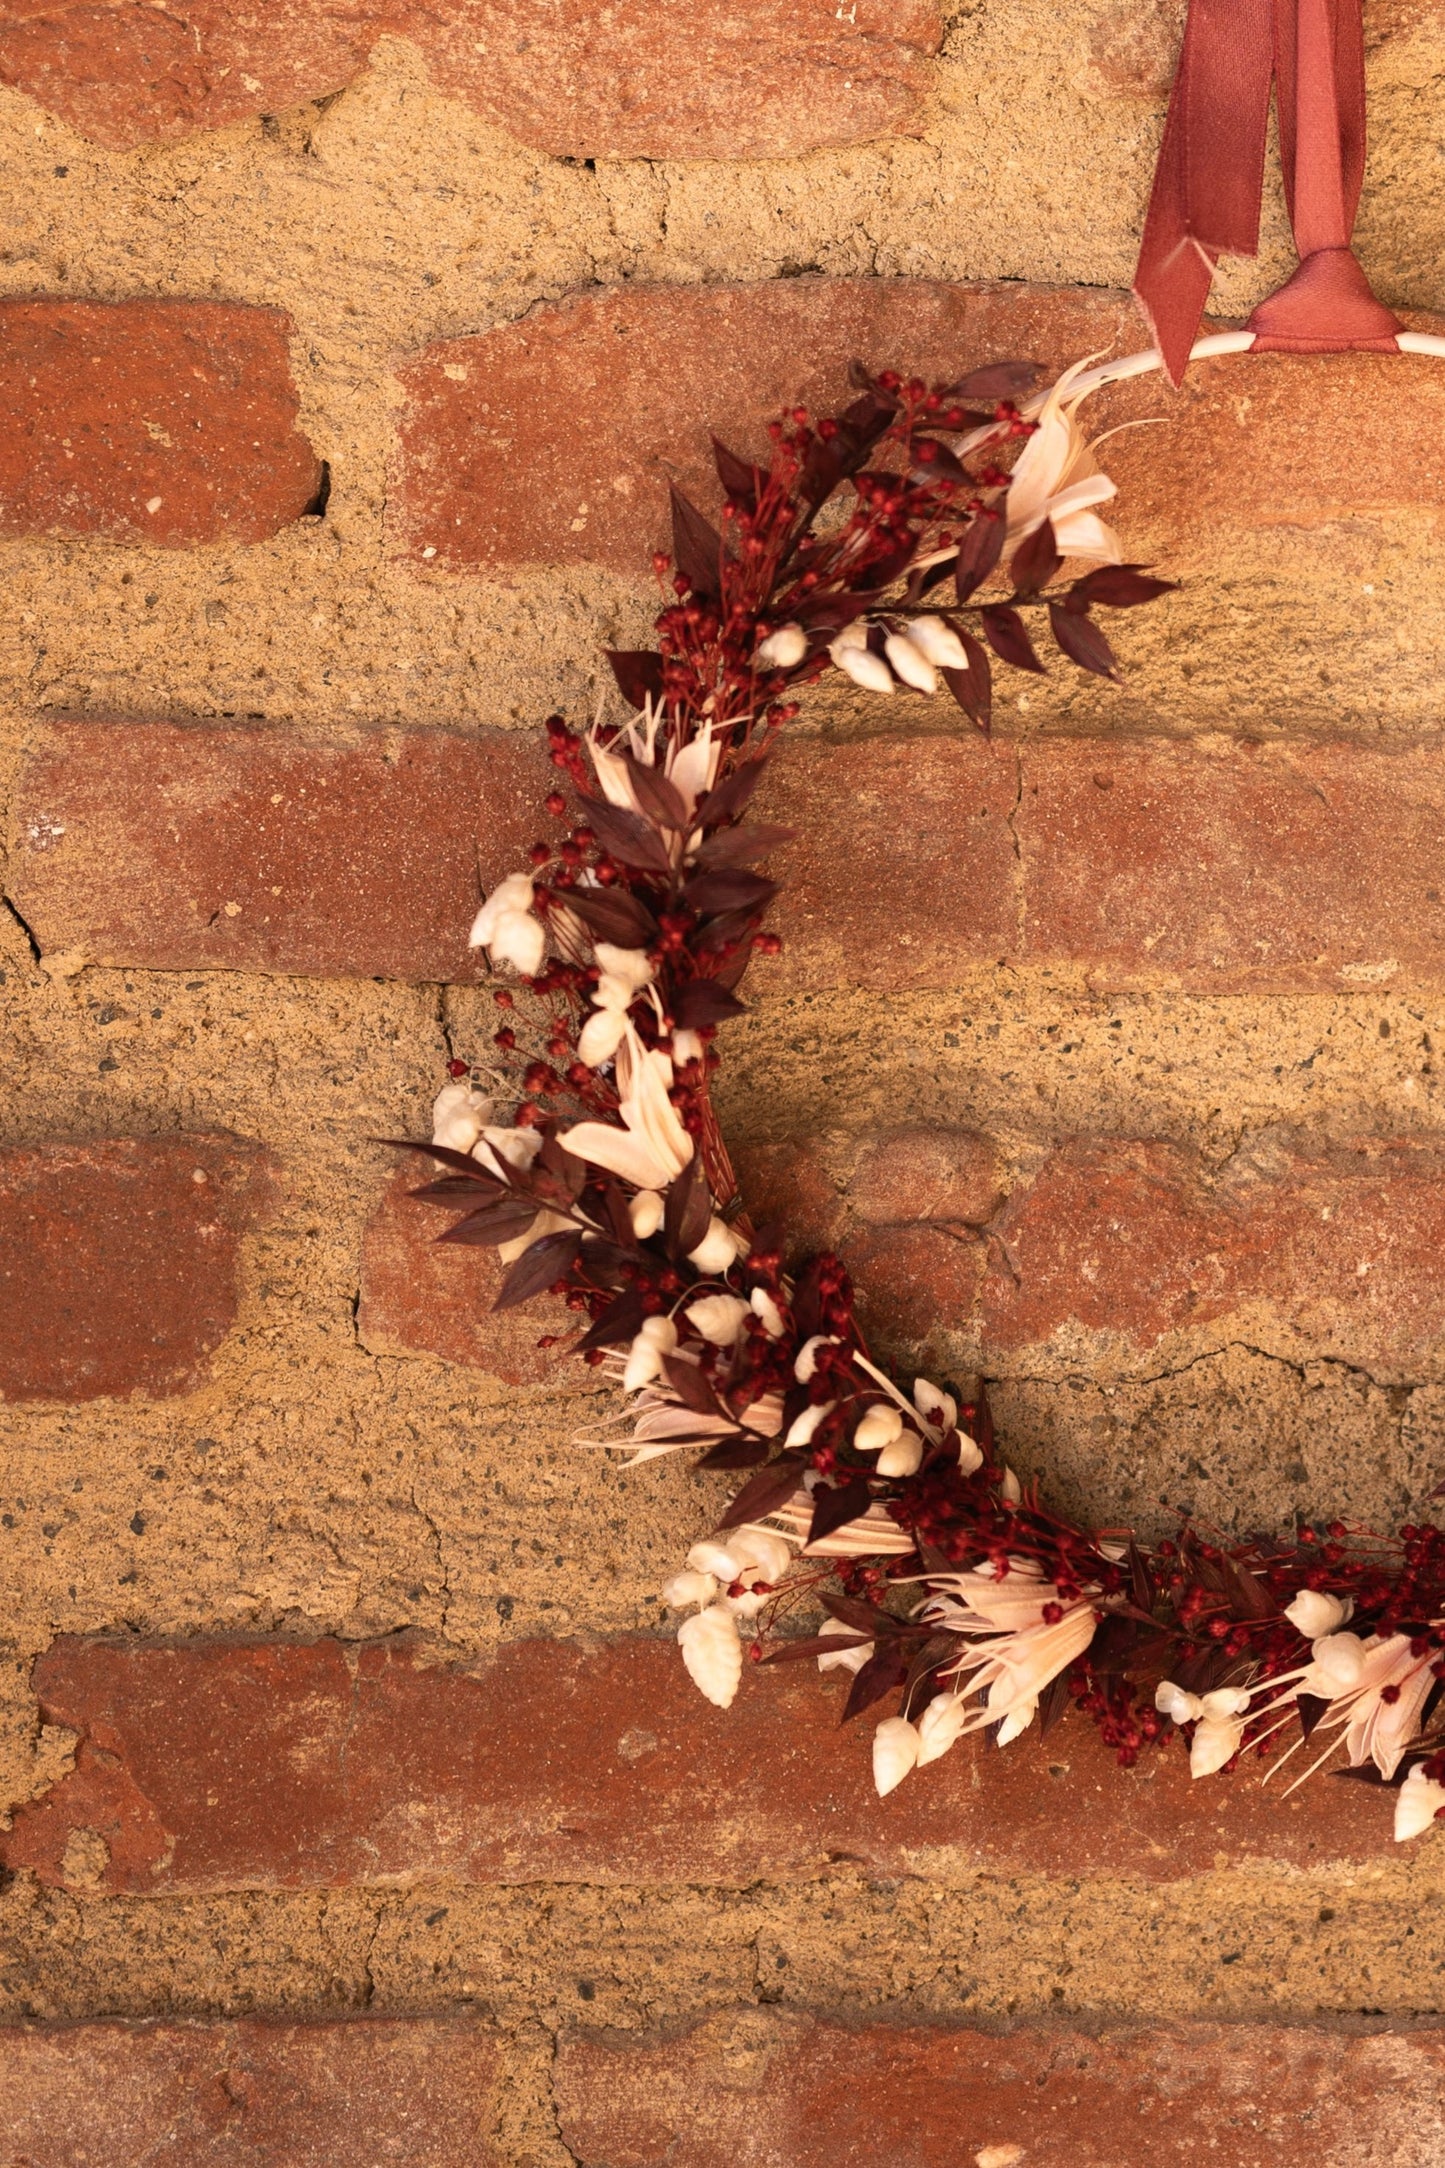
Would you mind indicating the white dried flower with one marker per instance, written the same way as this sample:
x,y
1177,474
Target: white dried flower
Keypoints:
x,y
765,1308
1172,1701
719,1318
717,1250
803,1428
650,1147
940,1726
1337,1665
1010,1490
938,1409
910,663
879,1427
506,928
903,1456
713,1653
657,1338
758,1550
1315,1614
1057,478
686,1047
624,973
646,1212
714,1555
689,1588
1019,1718
863,667
895,1752
1417,1803
1219,1729
783,649
938,643
805,1364
458,1117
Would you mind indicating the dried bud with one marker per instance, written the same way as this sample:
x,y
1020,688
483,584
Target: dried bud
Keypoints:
x,y
878,1428
689,1588
646,1212
938,643
719,1318
895,1752
783,649
1316,1614
717,1250
910,663
940,1726
712,1653
657,1338
1419,1801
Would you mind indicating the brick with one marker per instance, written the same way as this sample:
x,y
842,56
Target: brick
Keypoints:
x,y
170,423
1239,869
1142,862
419,1297
552,439
949,1176
789,1184
181,848
1321,1253
914,1282
370,2092
748,2088
754,80
211,1765
118,1261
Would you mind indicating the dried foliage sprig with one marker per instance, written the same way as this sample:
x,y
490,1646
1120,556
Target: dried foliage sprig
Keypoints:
x,y
872,544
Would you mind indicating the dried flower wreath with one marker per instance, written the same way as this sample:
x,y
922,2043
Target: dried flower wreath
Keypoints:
x,y
867,544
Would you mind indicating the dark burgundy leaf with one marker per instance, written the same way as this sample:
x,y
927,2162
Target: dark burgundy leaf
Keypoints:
x,y
996,381
613,914
568,1173
979,552
835,1507
1251,1599
691,1385
696,547
704,1001
459,1162
885,1669
730,974
973,688
447,1188
1121,587
638,671
687,1210
1139,1581
741,846
492,1223
1004,630
730,793
659,799
619,1323
626,836
1082,641
1052,1703
792,1652
933,460
885,570
740,479
866,1617
1036,560
771,1487
743,1451
729,888
538,1267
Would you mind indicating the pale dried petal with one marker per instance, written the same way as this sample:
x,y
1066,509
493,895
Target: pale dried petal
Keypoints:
x,y
717,1250
719,1318
910,664
940,1726
689,1588
864,668
902,1457
647,1212
878,1427
601,1036
895,1752
783,649
713,1653
1417,1803
938,643
1216,1741
1316,1614
458,1117
511,898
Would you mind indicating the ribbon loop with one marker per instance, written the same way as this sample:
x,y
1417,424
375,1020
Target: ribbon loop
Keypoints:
x,y
1209,180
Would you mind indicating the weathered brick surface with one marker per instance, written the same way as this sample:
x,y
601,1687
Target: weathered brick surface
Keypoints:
x,y
752,79
552,439
369,2092
949,1176
749,2088
181,847
165,422
1142,862
422,1297
1250,868
118,1261
214,1765
1334,1252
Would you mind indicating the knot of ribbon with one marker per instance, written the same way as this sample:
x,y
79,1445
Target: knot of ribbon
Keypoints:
x,y
1207,188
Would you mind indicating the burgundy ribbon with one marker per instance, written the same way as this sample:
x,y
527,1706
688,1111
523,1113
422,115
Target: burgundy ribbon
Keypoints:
x,y
1207,187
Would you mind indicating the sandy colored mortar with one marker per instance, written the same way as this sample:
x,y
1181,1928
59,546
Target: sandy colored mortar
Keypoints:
x,y
311,1487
